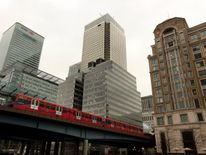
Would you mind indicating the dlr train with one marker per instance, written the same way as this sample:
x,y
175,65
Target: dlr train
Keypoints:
x,y
43,108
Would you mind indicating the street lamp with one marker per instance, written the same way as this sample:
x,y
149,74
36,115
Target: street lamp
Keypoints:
x,y
187,149
176,149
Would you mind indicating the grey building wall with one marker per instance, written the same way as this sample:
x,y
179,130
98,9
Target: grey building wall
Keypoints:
x,y
74,69
70,92
110,91
20,43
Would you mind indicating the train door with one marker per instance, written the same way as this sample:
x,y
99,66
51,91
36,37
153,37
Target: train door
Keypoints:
x,y
34,104
78,115
94,119
58,110
112,124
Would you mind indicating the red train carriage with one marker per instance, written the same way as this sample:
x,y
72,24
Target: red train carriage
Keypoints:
x,y
42,107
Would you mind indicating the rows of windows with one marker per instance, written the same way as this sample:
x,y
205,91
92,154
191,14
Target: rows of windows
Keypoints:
x,y
183,118
147,118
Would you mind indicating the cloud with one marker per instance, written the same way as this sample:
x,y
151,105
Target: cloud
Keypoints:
x,y
62,24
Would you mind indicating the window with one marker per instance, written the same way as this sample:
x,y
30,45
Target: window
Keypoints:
x,y
159,50
169,120
178,86
204,92
202,73
170,44
157,83
161,58
183,118
166,98
154,68
157,40
194,91
192,82
204,44
168,107
155,76
174,62
160,120
164,80
158,92
203,33
160,109
189,73
198,56
179,94
194,37
159,99
196,48
200,117
154,62
197,104
166,88
203,82
199,63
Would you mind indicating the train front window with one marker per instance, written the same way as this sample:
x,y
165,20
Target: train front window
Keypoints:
x,y
58,110
2,101
34,104
78,115
94,119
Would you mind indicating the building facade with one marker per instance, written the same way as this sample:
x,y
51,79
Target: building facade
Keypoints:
x,y
178,77
20,78
70,92
20,43
110,91
147,113
104,38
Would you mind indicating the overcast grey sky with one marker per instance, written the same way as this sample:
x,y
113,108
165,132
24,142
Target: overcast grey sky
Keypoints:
x,y
62,23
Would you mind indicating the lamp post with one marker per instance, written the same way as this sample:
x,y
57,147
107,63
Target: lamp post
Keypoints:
x,y
176,149
186,149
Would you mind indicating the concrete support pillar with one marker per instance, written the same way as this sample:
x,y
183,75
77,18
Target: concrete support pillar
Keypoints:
x,y
48,147
28,147
62,148
56,148
85,147
77,148
43,146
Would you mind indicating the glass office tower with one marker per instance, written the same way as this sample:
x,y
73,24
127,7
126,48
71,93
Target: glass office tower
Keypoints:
x,y
20,43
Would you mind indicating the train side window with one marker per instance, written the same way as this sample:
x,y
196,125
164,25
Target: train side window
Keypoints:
x,y
65,110
47,106
2,101
99,119
41,104
108,122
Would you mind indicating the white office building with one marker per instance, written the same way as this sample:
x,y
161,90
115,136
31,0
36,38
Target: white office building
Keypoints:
x,y
110,91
